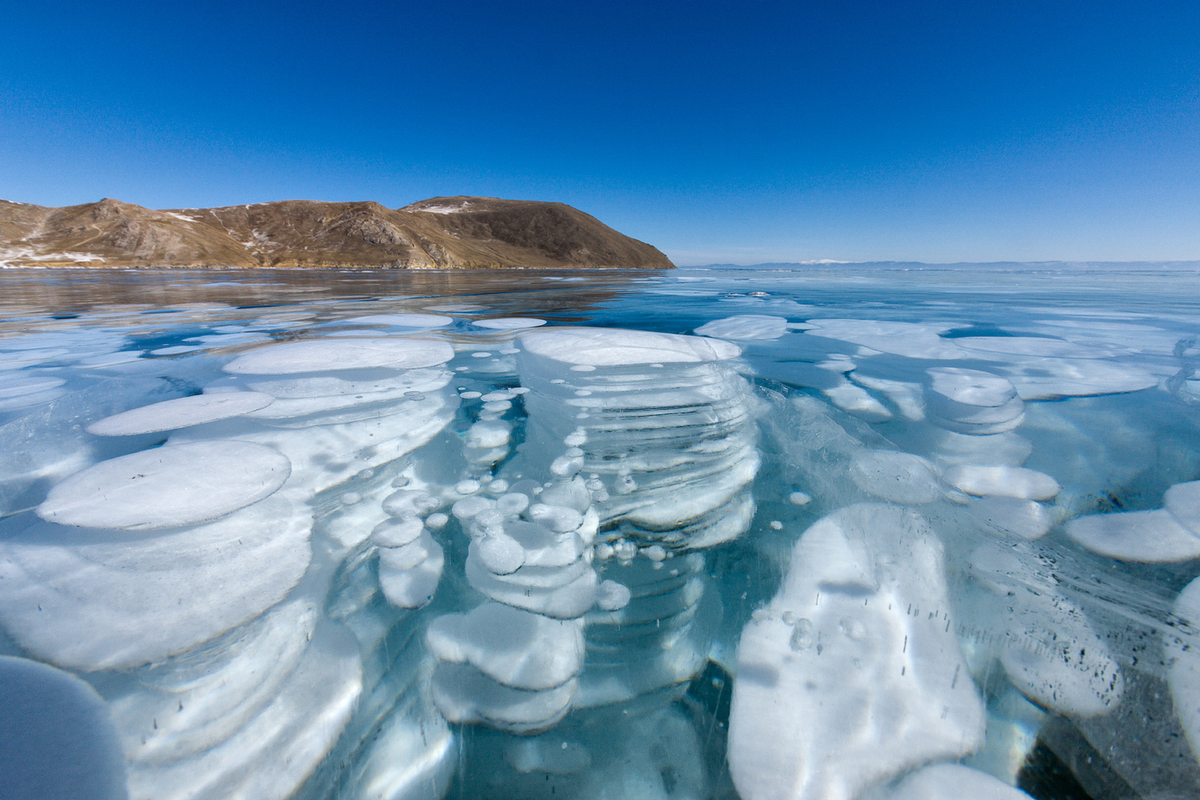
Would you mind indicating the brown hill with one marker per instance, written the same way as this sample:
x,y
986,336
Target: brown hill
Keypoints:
x,y
456,232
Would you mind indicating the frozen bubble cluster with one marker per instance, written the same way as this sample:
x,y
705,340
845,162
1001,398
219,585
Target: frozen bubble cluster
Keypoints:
x,y
831,534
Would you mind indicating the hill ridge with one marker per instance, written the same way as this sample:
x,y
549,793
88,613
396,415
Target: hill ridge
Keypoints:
x,y
438,233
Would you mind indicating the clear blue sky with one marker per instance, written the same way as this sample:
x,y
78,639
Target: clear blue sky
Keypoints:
x,y
934,131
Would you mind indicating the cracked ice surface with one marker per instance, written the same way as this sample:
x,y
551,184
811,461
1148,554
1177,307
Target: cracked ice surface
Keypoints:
x,y
838,533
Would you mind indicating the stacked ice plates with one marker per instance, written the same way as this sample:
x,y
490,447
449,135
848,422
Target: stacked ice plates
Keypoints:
x,y
663,428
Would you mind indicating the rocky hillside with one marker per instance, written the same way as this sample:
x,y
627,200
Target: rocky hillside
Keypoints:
x,y
455,232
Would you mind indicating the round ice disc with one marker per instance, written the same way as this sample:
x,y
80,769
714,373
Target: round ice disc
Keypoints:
x,y
609,347
167,487
181,413
337,354
509,323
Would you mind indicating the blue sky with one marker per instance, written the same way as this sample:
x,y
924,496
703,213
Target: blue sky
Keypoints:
x,y
720,132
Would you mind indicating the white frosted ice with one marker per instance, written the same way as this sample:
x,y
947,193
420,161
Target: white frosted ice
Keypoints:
x,y
745,326
606,347
1149,536
852,674
409,575
907,396
612,596
911,339
999,347
857,401
92,599
423,321
1182,651
180,413
21,385
167,487
954,782
396,532
508,323
513,647
1012,516
341,354
272,755
971,387
1047,646
1003,481
895,476
1054,378
58,738
1183,501
464,694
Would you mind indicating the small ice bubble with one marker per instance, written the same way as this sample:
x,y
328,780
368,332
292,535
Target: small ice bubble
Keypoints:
x,y
576,438
461,369
583,368
654,552
802,635
625,484
776,525
497,486
436,521
413,396
789,618
557,381
853,628
509,351
603,551
365,474
612,596
496,396
497,406
583,392
350,498
624,550
469,395
468,507
520,390
566,465
481,354
500,554
401,481
512,504
467,487
800,498
396,532
490,518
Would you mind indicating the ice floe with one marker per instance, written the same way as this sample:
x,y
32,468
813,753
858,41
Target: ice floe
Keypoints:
x,y
852,674
745,327
167,487
341,354
180,413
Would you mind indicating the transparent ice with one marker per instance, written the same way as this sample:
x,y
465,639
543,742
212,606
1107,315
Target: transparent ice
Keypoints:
x,y
819,534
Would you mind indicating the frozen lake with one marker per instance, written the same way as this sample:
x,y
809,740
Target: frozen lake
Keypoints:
x,y
827,533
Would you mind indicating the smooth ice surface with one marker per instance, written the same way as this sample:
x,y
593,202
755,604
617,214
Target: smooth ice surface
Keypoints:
x,y
745,326
57,738
181,413
508,323
706,533
1001,480
94,599
597,347
1150,536
951,782
852,674
167,487
341,354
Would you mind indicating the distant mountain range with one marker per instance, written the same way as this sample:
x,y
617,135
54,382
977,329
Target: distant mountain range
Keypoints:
x,y
998,266
444,232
